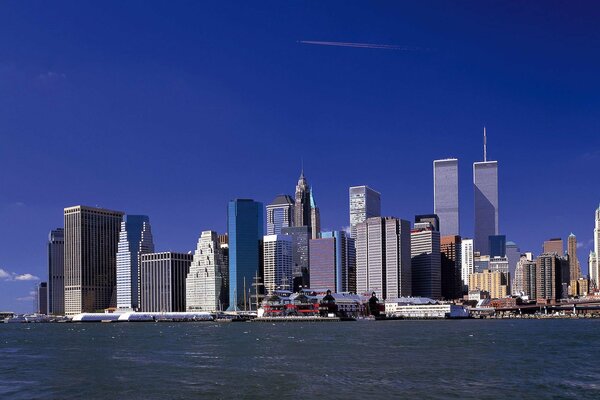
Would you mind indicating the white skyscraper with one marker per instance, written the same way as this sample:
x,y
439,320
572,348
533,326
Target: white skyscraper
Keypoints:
x,y
364,203
135,239
277,253
467,262
594,260
205,283
445,195
485,183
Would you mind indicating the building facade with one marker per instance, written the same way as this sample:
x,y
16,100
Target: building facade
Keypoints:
x,y
594,258
277,256
302,210
300,254
162,283
56,272
315,217
485,183
445,195
574,266
280,214
426,261
450,248
91,245
245,233
554,245
41,297
206,283
497,246
330,261
135,239
552,277
493,282
364,203
467,262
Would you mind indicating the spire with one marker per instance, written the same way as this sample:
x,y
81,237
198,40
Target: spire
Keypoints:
x,y
484,145
313,204
301,167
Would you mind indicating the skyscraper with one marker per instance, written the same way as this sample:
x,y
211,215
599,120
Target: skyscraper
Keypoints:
x,y
91,245
497,246
485,183
300,254
302,202
594,259
56,272
552,277
574,266
364,203
330,261
245,233
135,239
445,195
426,261
280,214
467,261
450,247
383,262
315,216
41,296
206,282
277,256
162,283
554,245
513,255
431,219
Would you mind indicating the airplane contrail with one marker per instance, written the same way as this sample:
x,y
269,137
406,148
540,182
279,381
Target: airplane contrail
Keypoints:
x,y
363,45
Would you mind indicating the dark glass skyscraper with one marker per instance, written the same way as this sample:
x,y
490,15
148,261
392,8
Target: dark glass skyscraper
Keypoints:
x,y
280,214
56,272
497,245
245,232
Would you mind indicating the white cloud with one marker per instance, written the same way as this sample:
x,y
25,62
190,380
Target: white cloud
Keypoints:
x,y
26,298
4,274
26,277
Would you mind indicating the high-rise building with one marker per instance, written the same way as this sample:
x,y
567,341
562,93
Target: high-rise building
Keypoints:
x,y
135,239
206,283
493,282
91,245
594,259
330,261
497,246
450,247
315,217
574,266
445,195
426,261
41,297
432,219
513,255
529,277
364,203
280,214
467,262
302,210
277,256
245,233
162,283
56,272
300,254
552,277
383,257
485,183
554,245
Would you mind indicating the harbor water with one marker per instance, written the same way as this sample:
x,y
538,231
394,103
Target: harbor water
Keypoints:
x,y
463,359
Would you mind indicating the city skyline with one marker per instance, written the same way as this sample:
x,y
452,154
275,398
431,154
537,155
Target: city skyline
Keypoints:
x,y
65,92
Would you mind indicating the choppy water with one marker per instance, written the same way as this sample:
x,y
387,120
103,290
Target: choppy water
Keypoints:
x,y
387,359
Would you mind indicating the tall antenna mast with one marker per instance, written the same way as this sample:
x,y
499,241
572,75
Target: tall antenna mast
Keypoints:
x,y
484,145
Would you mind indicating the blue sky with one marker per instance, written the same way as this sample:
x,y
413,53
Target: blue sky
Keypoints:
x,y
171,109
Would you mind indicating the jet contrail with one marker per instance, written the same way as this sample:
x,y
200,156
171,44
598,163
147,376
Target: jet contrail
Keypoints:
x,y
362,45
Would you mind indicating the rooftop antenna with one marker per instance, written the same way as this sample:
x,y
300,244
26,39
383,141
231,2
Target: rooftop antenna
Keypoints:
x,y
302,166
484,145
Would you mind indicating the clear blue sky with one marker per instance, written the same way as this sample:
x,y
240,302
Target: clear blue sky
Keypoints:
x,y
171,109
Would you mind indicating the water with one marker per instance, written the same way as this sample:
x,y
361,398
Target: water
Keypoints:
x,y
388,359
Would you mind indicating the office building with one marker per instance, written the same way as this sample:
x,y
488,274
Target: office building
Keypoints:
x,y
445,195
41,297
162,281
594,258
91,246
280,214
277,256
315,217
530,272
206,282
383,257
135,239
450,247
497,246
485,184
467,262
513,255
493,282
300,254
552,277
432,219
574,266
245,233
426,261
518,281
330,261
302,210
364,203
554,246
56,272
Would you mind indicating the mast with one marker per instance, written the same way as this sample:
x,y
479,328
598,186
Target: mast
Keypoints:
x,y
484,145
